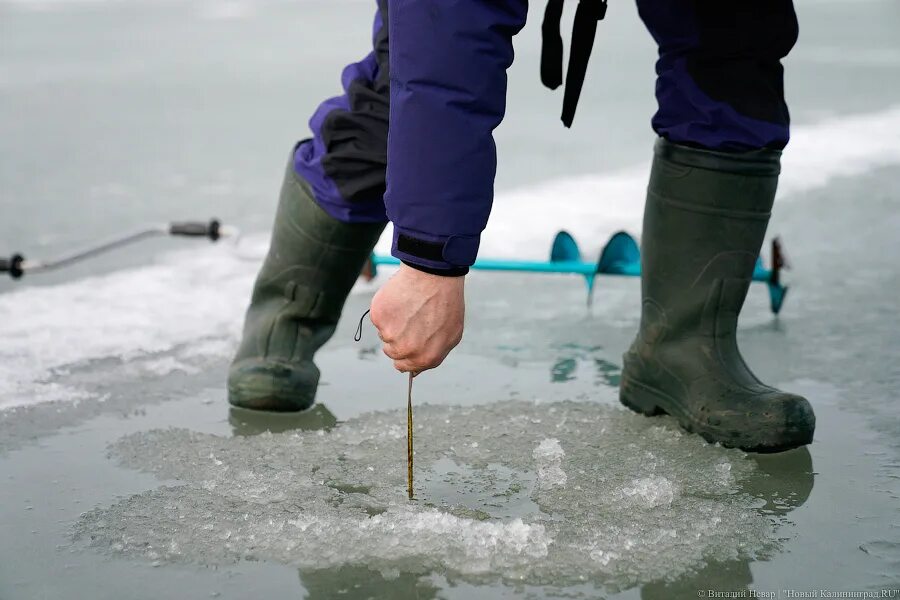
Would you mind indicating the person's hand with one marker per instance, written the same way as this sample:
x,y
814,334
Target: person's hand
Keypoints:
x,y
419,317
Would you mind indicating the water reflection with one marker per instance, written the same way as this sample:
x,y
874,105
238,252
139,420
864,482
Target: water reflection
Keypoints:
x,y
361,583
784,482
607,373
563,370
570,356
253,422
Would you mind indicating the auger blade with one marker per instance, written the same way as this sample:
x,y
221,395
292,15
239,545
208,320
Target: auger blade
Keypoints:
x,y
564,248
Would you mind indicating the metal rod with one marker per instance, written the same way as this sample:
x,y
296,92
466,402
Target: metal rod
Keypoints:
x,y
37,266
628,269
17,265
409,438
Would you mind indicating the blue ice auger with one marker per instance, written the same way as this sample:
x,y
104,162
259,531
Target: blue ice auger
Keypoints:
x,y
620,256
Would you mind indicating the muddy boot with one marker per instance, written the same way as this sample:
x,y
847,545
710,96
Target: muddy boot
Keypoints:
x,y
704,223
312,264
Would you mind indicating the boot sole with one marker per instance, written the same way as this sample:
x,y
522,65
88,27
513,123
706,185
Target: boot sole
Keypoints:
x,y
273,387
649,401
259,400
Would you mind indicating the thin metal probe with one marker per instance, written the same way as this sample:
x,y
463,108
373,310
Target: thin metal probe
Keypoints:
x,y
409,438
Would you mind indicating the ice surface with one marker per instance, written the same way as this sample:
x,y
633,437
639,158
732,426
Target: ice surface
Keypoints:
x,y
548,458
651,492
189,306
515,490
173,316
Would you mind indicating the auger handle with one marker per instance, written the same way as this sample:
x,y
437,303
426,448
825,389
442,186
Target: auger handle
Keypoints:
x,y
211,230
13,265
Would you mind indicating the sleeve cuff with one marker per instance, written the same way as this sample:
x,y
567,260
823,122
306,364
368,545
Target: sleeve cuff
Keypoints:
x,y
454,272
439,255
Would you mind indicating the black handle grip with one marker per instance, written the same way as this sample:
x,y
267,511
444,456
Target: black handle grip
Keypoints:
x,y
209,230
12,265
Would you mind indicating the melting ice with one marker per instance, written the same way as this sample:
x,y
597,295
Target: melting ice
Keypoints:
x,y
530,492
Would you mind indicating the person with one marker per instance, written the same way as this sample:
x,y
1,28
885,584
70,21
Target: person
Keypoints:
x,y
437,76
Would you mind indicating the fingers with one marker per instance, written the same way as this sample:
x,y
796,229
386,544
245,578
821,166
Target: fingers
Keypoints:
x,y
414,362
416,366
407,367
417,357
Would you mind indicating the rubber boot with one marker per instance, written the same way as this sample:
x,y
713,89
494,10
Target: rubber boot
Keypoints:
x,y
312,264
704,223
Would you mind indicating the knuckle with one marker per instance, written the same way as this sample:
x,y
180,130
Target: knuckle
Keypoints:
x,y
384,331
377,311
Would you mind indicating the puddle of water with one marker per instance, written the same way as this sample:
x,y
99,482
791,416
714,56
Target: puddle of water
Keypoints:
x,y
492,492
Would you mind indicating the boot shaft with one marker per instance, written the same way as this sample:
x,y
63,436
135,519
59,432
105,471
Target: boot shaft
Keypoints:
x,y
313,259
312,264
704,223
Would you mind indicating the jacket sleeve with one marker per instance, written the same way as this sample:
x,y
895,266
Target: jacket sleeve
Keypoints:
x,y
448,62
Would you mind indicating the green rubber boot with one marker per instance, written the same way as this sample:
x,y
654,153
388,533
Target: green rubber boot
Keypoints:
x,y
312,264
704,223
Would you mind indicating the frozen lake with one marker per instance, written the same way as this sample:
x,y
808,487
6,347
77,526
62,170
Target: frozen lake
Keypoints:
x,y
123,474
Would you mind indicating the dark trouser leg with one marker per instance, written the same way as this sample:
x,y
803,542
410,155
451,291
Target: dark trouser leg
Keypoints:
x,y
330,215
723,120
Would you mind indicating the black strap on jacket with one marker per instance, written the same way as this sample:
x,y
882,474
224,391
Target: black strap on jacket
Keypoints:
x,y
584,30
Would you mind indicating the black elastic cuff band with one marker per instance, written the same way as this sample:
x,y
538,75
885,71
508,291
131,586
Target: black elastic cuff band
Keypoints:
x,y
454,272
